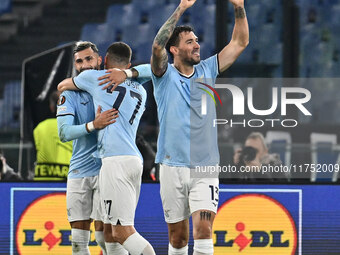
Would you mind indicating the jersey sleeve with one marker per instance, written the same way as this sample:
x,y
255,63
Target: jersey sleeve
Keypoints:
x,y
67,131
212,65
65,104
159,81
144,73
86,81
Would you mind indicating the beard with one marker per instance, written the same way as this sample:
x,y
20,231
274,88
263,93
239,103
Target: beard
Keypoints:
x,y
192,61
88,68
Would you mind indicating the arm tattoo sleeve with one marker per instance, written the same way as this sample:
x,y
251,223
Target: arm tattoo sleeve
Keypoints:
x,y
166,30
240,13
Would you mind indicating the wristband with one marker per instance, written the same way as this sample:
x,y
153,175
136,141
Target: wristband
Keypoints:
x,y
89,127
128,73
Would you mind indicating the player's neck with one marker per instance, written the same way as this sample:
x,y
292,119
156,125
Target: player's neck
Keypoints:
x,y
187,70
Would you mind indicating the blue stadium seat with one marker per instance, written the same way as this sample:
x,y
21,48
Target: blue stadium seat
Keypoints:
x,y
334,16
203,15
159,15
149,3
210,35
323,153
143,53
100,34
130,35
135,15
116,12
12,100
2,110
146,33
255,15
97,33
271,53
280,142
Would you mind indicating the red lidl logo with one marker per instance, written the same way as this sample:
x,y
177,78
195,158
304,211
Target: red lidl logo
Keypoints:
x,y
254,224
43,228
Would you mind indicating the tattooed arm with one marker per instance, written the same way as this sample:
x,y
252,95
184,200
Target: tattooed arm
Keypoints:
x,y
239,40
159,58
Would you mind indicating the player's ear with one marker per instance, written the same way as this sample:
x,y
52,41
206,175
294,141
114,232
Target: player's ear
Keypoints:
x,y
105,61
128,66
100,60
174,50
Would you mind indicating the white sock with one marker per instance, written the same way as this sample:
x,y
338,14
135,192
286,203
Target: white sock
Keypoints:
x,y
175,251
100,241
115,249
203,247
137,245
80,241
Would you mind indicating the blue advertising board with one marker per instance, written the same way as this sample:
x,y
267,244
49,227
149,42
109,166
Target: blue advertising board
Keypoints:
x,y
251,219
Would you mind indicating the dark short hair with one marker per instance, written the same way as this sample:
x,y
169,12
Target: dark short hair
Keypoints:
x,y
83,45
53,99
174,39
119,53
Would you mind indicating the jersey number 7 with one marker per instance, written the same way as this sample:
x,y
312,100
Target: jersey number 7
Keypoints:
x,y
120,97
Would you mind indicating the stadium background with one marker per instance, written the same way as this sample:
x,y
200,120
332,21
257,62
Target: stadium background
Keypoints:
x,y
288,38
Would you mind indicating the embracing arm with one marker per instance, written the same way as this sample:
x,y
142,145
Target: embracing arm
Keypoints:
x,y
67,84
116,76
159,57
68,131
239,40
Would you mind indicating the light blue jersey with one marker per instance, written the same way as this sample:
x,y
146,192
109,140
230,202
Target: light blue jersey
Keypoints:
x,y
129,99
186,137
75,109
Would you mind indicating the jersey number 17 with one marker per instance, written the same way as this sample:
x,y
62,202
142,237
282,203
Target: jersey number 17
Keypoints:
x,y
120,97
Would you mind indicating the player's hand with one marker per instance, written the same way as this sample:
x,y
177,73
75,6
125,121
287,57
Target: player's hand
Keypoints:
x,y
104,119
237,3
113,78
185,4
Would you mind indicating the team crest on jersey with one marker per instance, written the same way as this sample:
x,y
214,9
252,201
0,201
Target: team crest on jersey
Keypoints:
x,y
61,100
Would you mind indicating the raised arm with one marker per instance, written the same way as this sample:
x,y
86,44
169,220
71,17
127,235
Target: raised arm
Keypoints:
x,y
159,57
239,40
67,84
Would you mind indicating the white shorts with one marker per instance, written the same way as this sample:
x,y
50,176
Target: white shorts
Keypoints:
x,y
120,181
82,199
182,195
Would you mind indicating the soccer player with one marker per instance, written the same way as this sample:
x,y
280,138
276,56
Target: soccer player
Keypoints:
x,y
187,139
120,175
76,121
